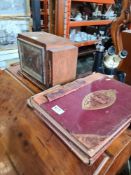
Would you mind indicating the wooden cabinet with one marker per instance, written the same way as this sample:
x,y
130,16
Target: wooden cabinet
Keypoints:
x,y
39,151
39,13
125,64
44,15
68,24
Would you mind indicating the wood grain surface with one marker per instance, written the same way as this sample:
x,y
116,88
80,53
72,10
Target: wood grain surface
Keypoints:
x,y
125,64
28,146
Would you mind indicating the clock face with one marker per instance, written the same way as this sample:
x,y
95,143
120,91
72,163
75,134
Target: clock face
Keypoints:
x,y
99,99
32,59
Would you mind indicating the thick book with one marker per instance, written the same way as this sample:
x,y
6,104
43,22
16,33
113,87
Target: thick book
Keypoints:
x,y
87,114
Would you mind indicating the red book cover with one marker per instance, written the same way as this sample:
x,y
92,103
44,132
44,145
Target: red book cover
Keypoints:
x,y
92,115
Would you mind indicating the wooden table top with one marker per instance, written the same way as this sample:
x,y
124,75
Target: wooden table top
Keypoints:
x,y
29,147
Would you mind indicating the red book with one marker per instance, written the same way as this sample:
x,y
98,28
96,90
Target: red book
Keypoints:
x,y
90,115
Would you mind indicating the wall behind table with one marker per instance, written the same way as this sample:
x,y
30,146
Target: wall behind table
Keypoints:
x,y
15,17
15,8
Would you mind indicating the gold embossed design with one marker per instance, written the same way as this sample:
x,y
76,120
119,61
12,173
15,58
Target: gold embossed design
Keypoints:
x,y
99,99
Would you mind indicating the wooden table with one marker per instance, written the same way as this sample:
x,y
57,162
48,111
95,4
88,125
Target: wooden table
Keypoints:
x,y
29,147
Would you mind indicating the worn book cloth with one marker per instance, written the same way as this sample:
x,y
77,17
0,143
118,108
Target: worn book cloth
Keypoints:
x,y
87,114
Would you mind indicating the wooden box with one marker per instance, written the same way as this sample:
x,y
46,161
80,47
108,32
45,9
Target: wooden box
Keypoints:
x,y
47,59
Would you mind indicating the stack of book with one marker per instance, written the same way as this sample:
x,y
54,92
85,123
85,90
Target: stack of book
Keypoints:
x,y
87,114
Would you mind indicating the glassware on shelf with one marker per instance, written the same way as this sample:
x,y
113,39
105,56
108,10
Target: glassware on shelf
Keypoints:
x,y
78,36
78,17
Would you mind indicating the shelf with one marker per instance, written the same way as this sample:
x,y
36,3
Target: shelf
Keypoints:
x,y
89,23
83,53
85,43
97,1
